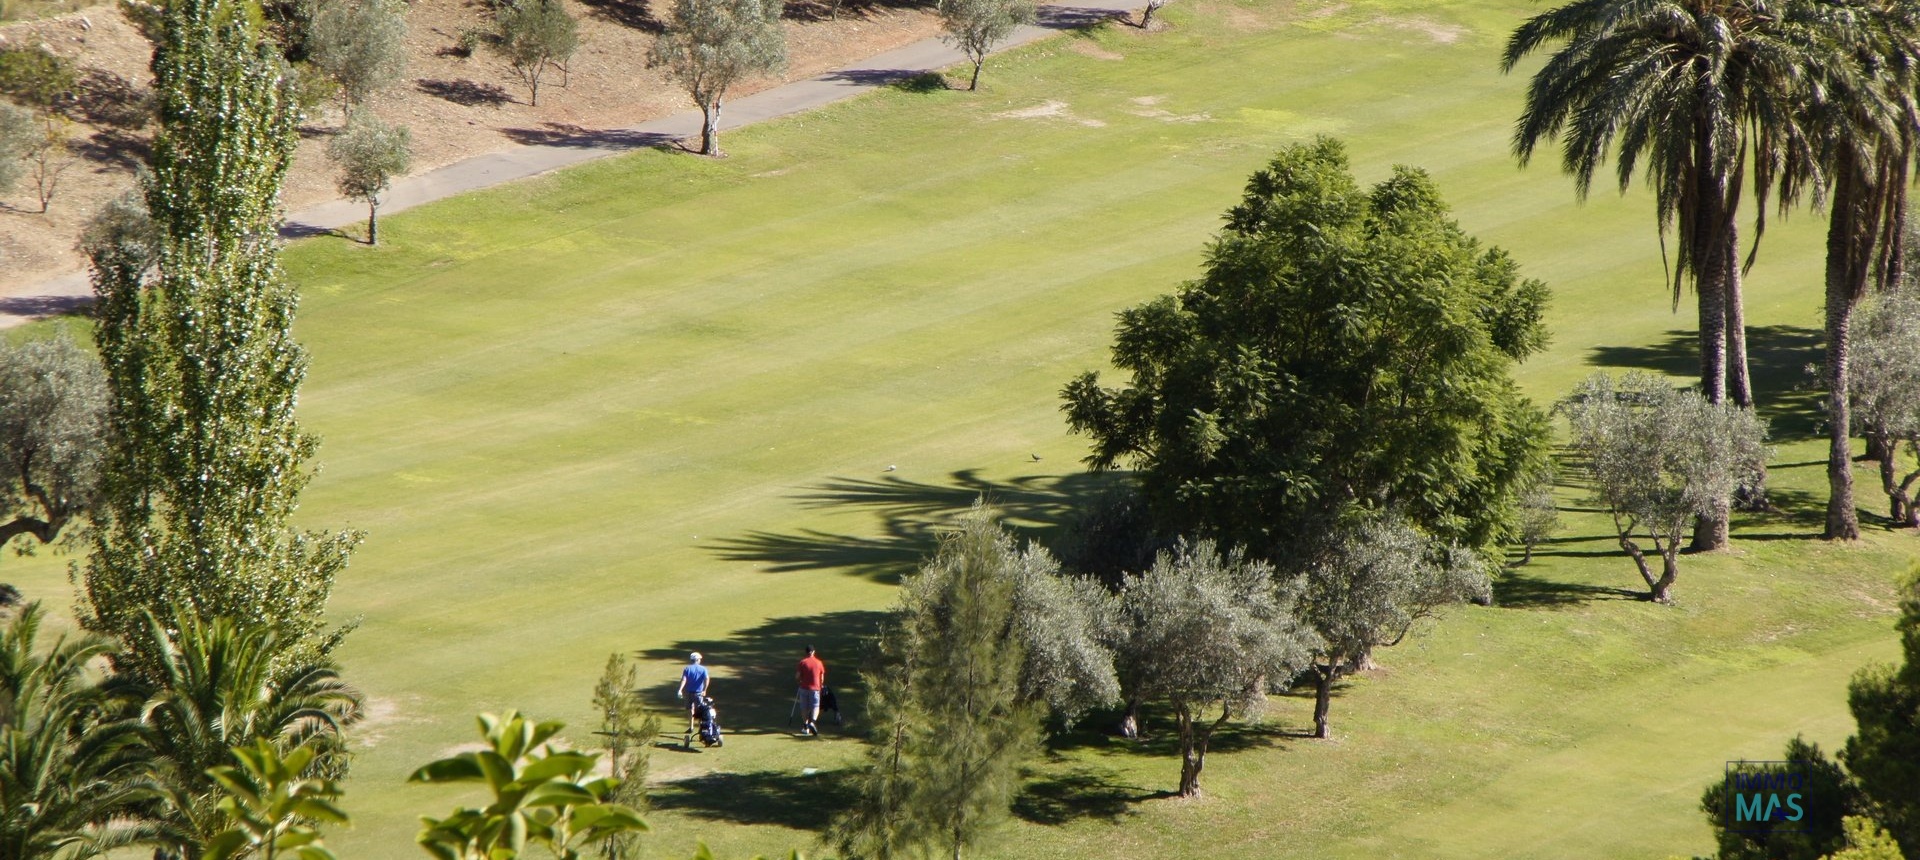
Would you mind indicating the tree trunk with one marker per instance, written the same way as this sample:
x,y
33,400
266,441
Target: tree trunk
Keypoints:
x,y
1323,694
373,223
1852,233
1190,754
1640,561
710,129
1739,379
1713,258
1843,519
1712,532
1146,17
1669,571
975,83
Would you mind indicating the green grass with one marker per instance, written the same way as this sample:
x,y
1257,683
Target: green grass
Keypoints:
x,y
646,405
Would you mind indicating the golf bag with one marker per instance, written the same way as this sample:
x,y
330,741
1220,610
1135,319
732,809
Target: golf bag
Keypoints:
x,y
830,702
708,717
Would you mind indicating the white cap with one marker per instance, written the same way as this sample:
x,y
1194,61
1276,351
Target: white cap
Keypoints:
x,y
695,657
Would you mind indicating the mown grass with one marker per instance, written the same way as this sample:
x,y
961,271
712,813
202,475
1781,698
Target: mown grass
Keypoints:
x,y
647,405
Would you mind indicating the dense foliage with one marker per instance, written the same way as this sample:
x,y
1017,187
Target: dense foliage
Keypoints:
x,y
206,461
1344,350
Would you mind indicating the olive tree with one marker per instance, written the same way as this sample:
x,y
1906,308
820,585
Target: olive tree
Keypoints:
x,y
361,45
975,26
1209,633
1884,380
533,35
1658,457
370,153
1370,586
53,405
710,45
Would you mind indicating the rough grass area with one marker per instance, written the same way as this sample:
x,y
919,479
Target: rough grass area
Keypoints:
x,y
648,405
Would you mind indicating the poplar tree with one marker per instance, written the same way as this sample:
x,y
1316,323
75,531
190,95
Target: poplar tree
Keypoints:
x,y
206,461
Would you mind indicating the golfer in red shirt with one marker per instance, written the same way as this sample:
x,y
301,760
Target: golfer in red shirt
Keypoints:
x,y
810,676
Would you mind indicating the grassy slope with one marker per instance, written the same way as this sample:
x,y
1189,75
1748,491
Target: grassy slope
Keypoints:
x,y
646,405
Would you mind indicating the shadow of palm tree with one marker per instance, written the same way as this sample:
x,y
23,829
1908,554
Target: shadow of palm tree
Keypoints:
x,y
912,514
1777,358
753,668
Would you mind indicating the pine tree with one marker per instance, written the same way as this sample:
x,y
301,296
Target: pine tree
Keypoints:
x,y
952,725
207,462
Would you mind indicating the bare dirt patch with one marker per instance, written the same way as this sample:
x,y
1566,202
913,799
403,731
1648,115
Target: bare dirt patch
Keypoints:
x,y
1082,46
1440,33
1050,109
455,107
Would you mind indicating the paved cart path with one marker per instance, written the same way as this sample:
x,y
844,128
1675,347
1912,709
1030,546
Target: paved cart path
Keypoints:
x,y
73,290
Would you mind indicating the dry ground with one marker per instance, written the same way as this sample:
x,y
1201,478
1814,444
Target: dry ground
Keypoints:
x,y
456,107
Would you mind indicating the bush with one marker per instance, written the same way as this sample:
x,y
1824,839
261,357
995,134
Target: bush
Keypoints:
x,y
36,76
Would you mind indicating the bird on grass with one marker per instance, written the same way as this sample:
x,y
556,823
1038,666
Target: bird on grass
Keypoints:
x,y
891,468
1036,457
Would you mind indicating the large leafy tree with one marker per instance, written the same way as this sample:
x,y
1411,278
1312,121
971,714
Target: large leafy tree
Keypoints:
x,y
69,764
1209,634
206,462
1344,349
710,45
952,723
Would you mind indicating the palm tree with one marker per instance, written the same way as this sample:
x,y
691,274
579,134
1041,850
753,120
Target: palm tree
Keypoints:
x,y
68,763
219,689
1695,89
1861,102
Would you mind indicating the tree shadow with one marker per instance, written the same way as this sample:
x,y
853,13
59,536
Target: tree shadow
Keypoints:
x,y
580,137
912,515
103,98
113,149
767,797
1079,794
905,80
1514,589
292,230
1160,734
38,307
1777,358
464,92
1075,17
753,669
633,14
813,11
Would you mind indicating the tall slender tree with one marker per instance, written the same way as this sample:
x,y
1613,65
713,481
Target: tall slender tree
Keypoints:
x,y
206,461
1860,104
956,725
1696,90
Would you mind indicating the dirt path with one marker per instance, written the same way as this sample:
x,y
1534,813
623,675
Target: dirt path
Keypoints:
x,y
522,152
